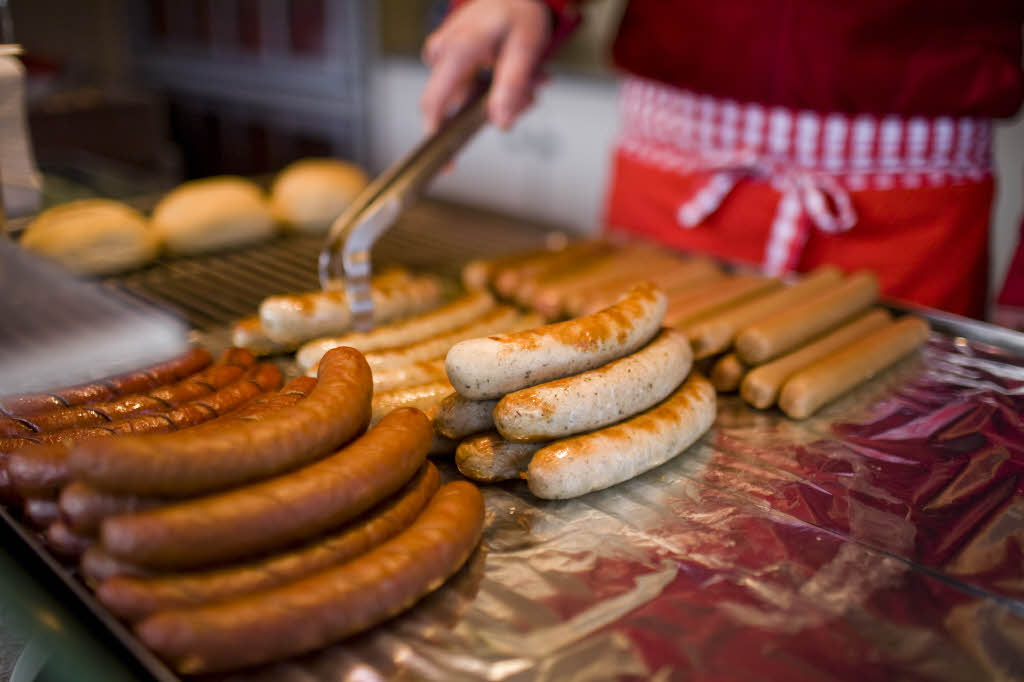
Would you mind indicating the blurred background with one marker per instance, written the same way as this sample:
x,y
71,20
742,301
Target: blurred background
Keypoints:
x,y
130,96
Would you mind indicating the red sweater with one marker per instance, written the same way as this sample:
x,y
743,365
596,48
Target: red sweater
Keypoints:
x,y
910,57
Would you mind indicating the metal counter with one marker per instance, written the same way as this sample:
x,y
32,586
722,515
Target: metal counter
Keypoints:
x,y
880,539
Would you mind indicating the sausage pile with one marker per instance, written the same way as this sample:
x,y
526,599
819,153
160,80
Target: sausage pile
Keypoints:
x,y
286,321
578,405
797,346
264,531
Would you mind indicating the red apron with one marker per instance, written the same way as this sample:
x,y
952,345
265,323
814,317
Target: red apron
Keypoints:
x,y
908,197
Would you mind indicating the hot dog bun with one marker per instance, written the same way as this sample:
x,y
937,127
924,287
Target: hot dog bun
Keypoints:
x,y
309,194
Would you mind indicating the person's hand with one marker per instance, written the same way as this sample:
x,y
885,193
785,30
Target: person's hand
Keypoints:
x,y
508,35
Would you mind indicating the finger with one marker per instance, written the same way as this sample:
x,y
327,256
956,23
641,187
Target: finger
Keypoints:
x,y
449,80
513,74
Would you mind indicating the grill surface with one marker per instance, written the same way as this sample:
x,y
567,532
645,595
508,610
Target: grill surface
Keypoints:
x,y
213,291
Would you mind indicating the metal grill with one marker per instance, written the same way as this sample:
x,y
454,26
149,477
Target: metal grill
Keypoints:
x,y
213,291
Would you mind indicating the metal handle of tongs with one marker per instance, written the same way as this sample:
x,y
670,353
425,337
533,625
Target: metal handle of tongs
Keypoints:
x,y
345,258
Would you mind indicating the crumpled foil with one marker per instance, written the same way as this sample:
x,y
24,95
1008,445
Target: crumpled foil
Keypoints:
x,y
879,540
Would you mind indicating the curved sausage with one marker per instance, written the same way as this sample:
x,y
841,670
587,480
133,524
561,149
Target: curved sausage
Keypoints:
x,y
715,334
65,542
592,461
270,514
323,608
491,367
38,470
215,456
292,319
178,368
96,566
718,295
597,397
489,458
446,318
496,321
133,598
836,373
457,417
84,507
762,384
790,329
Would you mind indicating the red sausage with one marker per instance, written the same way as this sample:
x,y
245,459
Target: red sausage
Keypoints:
x,y
327,606
133,598
97,566
211,457
38,470
11,444
161,374
84,508
273,513
41,512
65,542
14,428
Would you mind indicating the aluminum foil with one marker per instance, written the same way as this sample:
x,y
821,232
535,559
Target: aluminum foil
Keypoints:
x,y
879,540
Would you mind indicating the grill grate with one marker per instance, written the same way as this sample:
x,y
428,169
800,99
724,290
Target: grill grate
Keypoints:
x,y
213,291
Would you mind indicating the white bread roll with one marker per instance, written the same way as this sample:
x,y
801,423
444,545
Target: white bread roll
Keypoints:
x,y
93,236
309,194
212,214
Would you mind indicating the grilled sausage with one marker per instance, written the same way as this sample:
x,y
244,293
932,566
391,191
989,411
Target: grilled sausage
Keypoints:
x,y
133,598
163,373
679,277
836,373
597,397
319,609
424,397
96,566
248,333
497,321
211,457
414,374
489,458
578,465
41,512
718,295
762,384
65,542
715,334
293,319
84,507
270,514
491,367
444,319
458,417
479,273
510,282
787,330
727,373
38,470
14,428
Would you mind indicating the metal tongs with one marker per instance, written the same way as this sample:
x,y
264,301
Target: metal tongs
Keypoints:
x,y
345,258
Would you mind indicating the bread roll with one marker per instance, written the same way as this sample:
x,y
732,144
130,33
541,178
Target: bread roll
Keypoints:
x,y
93,236
308,195
212,214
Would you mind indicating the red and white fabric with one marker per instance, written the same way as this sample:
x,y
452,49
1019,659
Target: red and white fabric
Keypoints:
x,y
812,159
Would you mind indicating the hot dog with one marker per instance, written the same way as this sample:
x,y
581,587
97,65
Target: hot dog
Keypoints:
x,y
293,319
446,318
838,372
206,458
787,330
133,598
727,373
597,397
270,514
458,417
715,334
65,542
415,374
491,367
580,464
499,320
489,458
424,397
330,605
761,385
717,295
173,370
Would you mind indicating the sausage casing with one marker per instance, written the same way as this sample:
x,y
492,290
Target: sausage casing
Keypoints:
x,y
458,417
489,458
